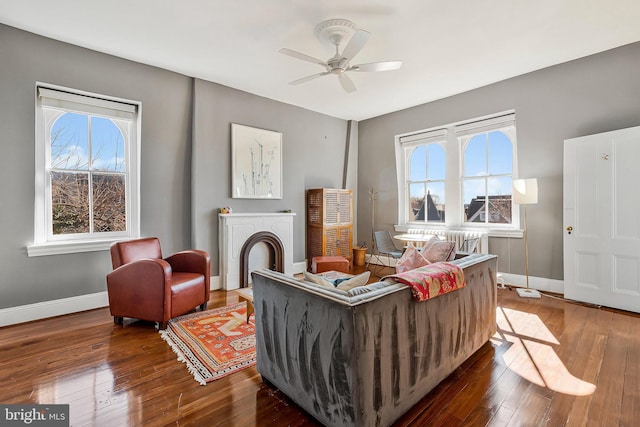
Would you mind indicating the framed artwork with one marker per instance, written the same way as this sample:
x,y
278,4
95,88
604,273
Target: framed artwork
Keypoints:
x,y
256,163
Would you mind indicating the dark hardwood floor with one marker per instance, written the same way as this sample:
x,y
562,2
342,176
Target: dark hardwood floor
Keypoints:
x,y
552,363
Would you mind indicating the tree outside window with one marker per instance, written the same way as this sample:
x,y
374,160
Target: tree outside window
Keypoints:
x,y
87,152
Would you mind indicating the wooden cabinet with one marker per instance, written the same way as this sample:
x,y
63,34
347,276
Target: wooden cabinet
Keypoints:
x,y
329,222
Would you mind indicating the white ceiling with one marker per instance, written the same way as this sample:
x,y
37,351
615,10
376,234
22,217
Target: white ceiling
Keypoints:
x,y
447,47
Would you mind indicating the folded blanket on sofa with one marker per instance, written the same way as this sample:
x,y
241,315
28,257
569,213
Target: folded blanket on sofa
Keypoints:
x,y
431,280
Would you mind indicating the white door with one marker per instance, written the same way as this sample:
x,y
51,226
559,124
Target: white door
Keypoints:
x,y
602,219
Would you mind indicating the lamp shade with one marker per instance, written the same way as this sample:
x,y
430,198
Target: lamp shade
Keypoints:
x,y
525,191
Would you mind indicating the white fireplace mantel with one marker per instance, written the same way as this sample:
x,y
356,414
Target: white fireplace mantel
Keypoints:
x,y
233,231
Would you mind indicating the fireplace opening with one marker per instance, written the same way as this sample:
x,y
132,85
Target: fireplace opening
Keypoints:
x,y
275,256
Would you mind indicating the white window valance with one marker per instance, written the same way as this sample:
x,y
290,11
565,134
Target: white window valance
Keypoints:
x,y
424,137
71,101
486,125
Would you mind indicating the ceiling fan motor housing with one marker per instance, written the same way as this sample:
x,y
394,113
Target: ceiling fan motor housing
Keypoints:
x,y
335,31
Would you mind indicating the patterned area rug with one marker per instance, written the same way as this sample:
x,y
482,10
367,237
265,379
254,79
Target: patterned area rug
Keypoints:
x,y
213,343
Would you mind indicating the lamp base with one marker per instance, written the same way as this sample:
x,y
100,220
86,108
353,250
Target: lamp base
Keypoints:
x,y
528,293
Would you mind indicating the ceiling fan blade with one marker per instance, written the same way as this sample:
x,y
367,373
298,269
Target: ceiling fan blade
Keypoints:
x,y
306,79
347,83
377,66
303,56
357,42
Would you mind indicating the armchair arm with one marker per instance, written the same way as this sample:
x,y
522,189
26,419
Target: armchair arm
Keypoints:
x,y
193,261
141,289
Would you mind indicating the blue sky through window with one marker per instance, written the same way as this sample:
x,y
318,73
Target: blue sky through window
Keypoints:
x,y
70,148
428,163
485,154
488,154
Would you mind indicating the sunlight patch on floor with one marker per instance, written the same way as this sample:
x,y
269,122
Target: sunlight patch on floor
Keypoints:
x,y
531,354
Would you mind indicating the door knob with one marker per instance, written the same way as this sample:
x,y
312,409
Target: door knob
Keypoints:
x,y
569,229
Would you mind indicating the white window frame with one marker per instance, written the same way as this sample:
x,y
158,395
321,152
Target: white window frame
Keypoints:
x,y
51,102
409,142
464,133
455,133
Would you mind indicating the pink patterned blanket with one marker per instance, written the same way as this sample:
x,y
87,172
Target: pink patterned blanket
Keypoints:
x,y
431,280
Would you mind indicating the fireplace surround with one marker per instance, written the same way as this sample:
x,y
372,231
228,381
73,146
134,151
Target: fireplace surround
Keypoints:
x,y
240,232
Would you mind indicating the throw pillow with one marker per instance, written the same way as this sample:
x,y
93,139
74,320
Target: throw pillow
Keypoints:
x,y
359,280
411,258
318,280
439,251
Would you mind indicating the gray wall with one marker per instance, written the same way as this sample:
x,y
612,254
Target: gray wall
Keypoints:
x,y
313,156
165,170
175,110
582,97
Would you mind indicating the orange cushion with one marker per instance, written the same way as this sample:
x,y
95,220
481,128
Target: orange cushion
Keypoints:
x,y
320,264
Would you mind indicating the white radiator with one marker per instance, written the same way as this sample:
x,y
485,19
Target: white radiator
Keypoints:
x,y
458,236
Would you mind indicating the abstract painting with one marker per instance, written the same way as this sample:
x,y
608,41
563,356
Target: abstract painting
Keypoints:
x,y
256,164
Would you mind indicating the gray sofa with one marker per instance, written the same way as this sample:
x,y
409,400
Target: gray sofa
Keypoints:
x,y
363,357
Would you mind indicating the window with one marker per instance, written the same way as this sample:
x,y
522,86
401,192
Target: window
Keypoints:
x,y
487,175
86,171
459,175
425,177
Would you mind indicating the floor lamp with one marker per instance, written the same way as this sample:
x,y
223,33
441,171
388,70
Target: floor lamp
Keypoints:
x,y
525,192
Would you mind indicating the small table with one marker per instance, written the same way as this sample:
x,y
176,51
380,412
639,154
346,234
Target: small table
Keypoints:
x,y
246,294
414,239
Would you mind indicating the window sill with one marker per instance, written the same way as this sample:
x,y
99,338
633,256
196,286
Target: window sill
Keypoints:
x,y
491,232
72,247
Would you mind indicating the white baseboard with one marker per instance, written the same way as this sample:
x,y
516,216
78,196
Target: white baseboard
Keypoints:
x,y
59,307
299,267
43,310
215,283
538,283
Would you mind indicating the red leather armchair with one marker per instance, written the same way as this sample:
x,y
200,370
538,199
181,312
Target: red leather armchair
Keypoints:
x,y
145,286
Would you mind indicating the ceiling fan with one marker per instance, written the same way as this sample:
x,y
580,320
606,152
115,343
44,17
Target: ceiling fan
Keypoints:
x,y
335,31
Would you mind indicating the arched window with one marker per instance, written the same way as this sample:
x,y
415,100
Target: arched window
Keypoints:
x,y
86,171
487,176
459,176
